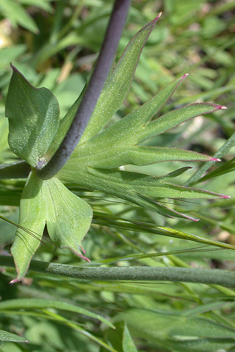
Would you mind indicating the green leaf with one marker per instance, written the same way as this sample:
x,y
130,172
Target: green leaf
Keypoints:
x,y
17,15
10,54
43,4
68,216
227,167
118,85
134,187
68,219
128,344
46,303
9,347
103,219
179,333
33,114
174,118
122,135
118,155
117,145
32,216
6,336
113,93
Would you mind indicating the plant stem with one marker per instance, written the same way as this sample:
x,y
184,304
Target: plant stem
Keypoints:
x,y
92,93
174,274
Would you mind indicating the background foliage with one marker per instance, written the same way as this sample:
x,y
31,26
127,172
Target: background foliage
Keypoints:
x,y
54,44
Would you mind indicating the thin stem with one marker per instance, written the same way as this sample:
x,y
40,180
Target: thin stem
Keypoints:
x,y
173,274
92,93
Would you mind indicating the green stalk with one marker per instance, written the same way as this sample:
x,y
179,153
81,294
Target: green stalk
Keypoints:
x,y
173,274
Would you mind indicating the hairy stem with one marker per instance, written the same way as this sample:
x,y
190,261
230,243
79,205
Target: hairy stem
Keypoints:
x,y
174,274
92,93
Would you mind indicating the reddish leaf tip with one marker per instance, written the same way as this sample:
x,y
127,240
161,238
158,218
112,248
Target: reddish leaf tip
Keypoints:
x,y
85,258
14,281
186,75
215,159
225,197
156,18
196,220
82,249
191,218
82,256
222,107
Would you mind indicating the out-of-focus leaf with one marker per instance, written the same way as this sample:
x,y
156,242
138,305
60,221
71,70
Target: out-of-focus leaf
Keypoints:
x,y
10,347
226,147
17,15
125,225
175,332
42,4
224,169
34,115
8,55
44,304
128,344
6,336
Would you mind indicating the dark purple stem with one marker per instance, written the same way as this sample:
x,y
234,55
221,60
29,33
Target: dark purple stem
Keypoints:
x,y
92,93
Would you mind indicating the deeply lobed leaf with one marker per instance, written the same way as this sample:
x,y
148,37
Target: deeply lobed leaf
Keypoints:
x,y
137,188
68,219
113,93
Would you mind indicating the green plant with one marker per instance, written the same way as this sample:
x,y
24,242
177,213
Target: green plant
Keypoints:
x,y
95,161
95,166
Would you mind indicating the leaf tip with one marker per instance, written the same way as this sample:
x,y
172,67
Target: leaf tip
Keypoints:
x,y
214,159
190,218
14,281
186,75
225,197
156,18
79,254
222,107
85,258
